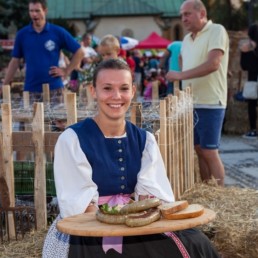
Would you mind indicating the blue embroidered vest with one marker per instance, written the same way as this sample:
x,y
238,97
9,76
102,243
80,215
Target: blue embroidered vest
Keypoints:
x,y
115,161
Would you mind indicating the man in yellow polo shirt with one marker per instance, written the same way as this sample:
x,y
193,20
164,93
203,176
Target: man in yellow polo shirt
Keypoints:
x,y
204,60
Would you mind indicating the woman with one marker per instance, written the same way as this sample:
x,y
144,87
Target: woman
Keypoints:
x,y
249,63
109,156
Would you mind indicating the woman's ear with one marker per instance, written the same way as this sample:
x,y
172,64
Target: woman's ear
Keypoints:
x,y
92,91
133,91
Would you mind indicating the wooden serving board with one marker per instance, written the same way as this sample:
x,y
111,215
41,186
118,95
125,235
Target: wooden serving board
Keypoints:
x,y
86,224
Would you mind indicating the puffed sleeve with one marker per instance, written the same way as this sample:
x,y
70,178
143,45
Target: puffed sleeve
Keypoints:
x,y
73,176
152,178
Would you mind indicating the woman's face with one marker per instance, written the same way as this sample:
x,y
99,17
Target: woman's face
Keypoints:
x,y
114,91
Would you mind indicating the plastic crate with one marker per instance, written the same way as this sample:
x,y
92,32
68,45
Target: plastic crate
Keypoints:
x,y
24,178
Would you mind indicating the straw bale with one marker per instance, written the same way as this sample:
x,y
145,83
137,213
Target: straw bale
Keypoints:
x,y
29,247
234,232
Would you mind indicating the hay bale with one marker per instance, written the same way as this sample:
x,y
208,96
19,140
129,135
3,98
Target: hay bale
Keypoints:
x,y
30,246
197,176
234,232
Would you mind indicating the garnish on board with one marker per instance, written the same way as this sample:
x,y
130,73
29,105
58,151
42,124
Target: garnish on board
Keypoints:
x,y
105,208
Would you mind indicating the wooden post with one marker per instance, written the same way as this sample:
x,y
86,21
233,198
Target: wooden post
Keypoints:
x,y
176,88
136,114
2,169
184,141
40,166
133,113
155,91
139,115
46,94
6,94
163,132
71,108
169,139
175,144
82,95
180,143
90,99
8,159
191,140
26,99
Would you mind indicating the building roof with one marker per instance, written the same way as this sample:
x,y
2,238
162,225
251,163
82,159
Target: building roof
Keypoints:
x,y
83,9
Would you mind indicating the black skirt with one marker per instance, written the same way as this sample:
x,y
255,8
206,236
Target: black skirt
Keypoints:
x,y
195,242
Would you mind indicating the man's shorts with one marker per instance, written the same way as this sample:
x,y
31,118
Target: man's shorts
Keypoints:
x,y
55,96
208,126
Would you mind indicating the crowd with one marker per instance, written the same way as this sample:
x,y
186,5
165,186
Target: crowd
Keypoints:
x,y
145,65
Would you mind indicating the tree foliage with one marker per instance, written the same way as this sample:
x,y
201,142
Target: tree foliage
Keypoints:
x,y
13,11
16,12
226,13
220,11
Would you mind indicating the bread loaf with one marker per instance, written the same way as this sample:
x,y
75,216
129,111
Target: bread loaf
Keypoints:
x,y
173,207
192,211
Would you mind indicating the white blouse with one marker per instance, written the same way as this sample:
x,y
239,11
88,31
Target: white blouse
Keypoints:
x,y
73,175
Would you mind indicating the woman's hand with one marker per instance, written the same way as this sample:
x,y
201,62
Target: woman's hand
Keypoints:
x,y
92,207
143,197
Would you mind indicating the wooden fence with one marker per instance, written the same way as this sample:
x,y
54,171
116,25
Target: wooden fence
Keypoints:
x,y
174,136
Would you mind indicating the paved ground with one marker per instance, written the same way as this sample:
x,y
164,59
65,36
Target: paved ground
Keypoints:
x,y
240,158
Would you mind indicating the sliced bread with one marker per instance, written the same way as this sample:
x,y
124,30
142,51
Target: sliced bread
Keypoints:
x,y
192,211
173,207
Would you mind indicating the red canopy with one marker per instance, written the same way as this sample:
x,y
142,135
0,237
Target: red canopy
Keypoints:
x,y
153,41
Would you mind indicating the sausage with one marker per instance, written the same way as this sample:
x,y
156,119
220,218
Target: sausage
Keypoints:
x,y
140,206
110,219
150,216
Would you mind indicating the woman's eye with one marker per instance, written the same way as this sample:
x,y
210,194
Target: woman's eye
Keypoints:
x,y
125,89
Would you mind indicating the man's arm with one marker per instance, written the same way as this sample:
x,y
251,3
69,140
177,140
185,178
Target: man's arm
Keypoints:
x,y
75,61
211,65
12,68
77,57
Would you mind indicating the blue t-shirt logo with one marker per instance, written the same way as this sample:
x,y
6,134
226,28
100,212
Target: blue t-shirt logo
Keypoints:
x,y
50,45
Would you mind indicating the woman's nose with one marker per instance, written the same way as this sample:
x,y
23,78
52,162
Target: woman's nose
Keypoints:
x,y
116,94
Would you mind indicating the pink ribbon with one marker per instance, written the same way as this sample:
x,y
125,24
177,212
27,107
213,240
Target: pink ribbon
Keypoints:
x,y
113,242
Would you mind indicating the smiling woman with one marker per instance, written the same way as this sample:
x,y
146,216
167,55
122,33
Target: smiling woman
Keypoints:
x,y
113,90
107,160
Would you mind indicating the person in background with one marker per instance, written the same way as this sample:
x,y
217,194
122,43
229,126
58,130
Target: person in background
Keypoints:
x,y
107,159
130,61
204,55
172,54
138,71
158,77
90,55
153,62
109,47
249,63
63,63
40,43
147,94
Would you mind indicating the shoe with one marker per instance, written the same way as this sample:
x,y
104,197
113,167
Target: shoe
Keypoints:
x,y
250,135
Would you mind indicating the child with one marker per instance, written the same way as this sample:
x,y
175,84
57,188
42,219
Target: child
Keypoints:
x,y
109,47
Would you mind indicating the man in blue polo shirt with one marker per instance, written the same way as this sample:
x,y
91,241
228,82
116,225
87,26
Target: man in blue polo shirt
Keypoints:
x,y
40,44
